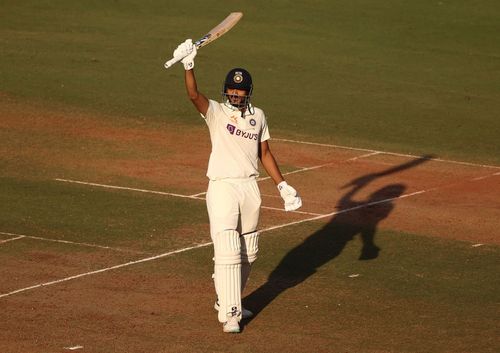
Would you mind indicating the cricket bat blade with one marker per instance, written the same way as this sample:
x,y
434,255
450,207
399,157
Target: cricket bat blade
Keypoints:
x,y
213,34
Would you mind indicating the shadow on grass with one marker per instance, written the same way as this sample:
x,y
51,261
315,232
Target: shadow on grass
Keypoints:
x,y
352,218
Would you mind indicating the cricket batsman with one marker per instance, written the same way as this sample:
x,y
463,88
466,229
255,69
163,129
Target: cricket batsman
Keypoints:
x,y
240,138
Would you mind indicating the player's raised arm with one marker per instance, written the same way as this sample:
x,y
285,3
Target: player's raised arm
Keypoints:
x,y
198,99
187,50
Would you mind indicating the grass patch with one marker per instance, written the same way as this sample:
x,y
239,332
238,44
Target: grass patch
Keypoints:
x,y
93,215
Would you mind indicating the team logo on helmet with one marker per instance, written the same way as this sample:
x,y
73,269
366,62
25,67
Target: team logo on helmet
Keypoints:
x,y
238,77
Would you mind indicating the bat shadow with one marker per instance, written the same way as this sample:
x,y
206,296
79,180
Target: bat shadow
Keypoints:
x,y
354,217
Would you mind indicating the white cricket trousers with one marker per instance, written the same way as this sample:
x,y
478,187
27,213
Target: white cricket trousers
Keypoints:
x,y
233,204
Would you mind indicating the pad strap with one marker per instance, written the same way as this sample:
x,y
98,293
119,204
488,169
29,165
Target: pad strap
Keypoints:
x,y
249,249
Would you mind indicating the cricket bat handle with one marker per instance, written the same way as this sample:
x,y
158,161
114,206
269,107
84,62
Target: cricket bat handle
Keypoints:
x,y
171,62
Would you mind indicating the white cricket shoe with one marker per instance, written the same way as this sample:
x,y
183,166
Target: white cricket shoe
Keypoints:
x,y
245,313
231,325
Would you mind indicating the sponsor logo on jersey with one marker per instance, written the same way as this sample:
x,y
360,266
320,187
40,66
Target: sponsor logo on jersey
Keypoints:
x,y
234,131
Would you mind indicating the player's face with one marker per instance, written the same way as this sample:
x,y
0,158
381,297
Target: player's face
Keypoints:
x,y
236,97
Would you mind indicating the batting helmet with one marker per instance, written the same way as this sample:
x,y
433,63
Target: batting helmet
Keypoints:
x,y
241,79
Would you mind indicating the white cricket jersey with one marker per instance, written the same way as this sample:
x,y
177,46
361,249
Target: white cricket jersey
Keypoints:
x,y
235,141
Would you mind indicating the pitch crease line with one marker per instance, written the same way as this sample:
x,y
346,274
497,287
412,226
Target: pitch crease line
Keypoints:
x,y
11,239
147,259
384,152
125,188
300,212
20,236
46,284
305,169
344,211
310,168
107,186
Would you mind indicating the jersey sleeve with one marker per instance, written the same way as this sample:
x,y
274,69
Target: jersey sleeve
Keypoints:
x,y
211,112
264,133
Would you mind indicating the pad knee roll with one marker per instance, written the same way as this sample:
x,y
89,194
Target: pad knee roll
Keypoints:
x,y
227,248
250,247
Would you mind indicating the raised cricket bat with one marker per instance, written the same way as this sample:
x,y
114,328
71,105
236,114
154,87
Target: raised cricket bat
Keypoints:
x,y
214,33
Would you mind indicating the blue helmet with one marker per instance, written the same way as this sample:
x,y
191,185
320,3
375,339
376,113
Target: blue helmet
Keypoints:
x,y
241,79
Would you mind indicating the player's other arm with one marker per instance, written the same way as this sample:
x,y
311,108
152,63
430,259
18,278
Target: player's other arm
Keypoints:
x,y
289,195
269,163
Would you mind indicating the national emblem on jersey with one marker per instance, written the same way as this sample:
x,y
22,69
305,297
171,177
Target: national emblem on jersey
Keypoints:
x,y
253,122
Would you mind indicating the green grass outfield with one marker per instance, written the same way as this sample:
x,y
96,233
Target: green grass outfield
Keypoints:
x,y
405,76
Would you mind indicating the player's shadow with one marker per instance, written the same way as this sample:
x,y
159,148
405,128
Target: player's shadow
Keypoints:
x,y
353,217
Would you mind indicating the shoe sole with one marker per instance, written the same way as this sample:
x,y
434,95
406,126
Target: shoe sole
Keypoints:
x,y
232,331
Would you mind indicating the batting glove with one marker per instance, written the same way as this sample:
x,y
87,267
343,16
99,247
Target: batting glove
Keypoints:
x,y
290,196
185,52
188,61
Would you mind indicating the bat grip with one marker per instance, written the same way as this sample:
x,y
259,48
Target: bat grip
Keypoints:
x,y
171,62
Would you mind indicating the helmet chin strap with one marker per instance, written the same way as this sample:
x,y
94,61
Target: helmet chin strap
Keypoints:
x,y
242,107
246,107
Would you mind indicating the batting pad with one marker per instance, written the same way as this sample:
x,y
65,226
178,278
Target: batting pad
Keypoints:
x,y
227,248
249,249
